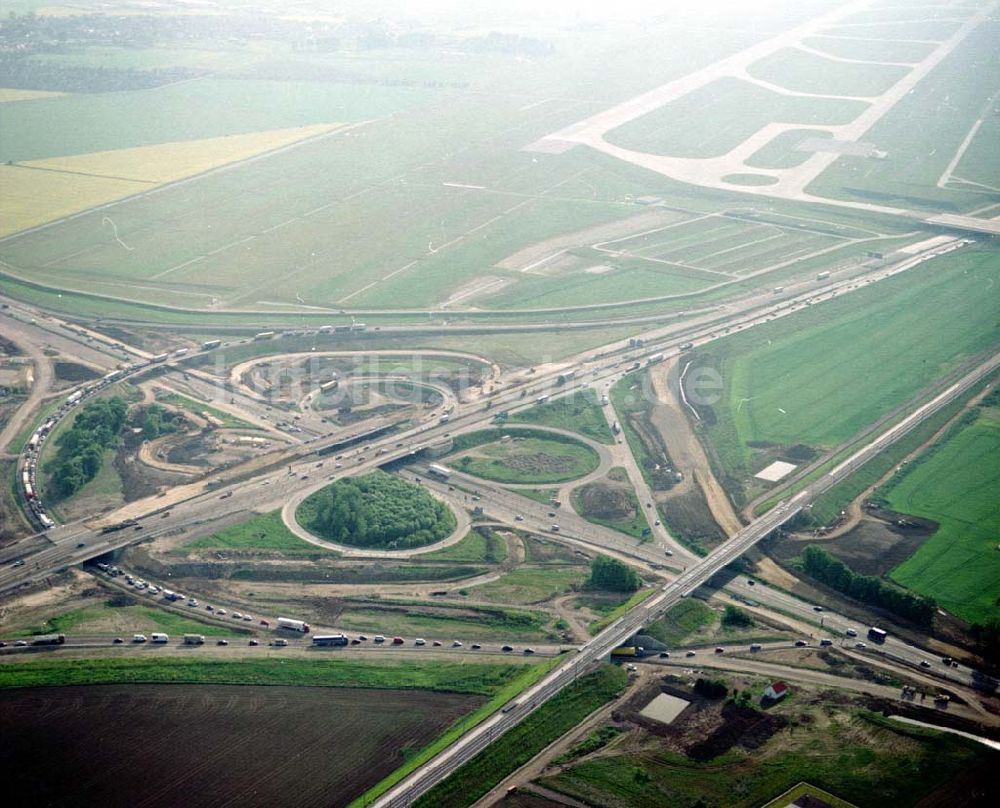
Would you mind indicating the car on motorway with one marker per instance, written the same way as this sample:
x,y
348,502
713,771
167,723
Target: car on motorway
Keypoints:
x,y
437,643
801,643
20,643
237,616
518,518
254,642
221,612
476,646
222,642
664,655
117,641
690,653
420,641
18,563
851,632
720,650
3,644
507,648
379,638
397,640
924,663
363,637
529,650
265,623
456,644
81,544
355,641
138,638
860,646
247,618
817,608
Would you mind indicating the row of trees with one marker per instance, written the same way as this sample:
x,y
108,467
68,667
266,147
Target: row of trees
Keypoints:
x,y
869,589
379,511
80,449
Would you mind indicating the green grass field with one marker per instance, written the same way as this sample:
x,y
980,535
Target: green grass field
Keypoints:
x,y
104,619
781,151
481,545
208,107
955,484
201,409
266,532
828,506
820,375
615,612
681,622
529,460
809,73
577,412
527,585
459,677
714,119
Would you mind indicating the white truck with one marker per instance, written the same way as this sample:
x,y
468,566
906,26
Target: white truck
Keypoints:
x,y
194,639
293,625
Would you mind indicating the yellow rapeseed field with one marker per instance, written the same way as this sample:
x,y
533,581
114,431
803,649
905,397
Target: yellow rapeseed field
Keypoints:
x,y
166,162
7,94
31,197
39,191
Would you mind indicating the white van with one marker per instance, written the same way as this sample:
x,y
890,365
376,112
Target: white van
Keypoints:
x,y
160,638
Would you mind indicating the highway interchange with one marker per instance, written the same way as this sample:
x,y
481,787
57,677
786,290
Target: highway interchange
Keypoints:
x,y
201,510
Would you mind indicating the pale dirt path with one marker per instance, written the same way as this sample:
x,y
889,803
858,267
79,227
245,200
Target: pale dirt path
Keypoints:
x,y
43,375
685,449
562,608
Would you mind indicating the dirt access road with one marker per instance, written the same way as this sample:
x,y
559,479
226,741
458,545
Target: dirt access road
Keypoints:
x,y
669,419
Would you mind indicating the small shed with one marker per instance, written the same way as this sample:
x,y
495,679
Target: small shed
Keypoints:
x,y
776,690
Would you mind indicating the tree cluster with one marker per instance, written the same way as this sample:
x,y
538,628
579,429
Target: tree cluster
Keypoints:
x,y
80,449
735,617
833,572
613,575
710,688
379,511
